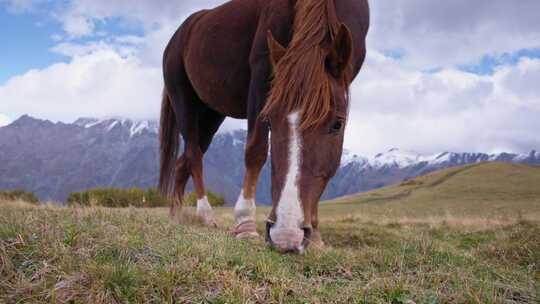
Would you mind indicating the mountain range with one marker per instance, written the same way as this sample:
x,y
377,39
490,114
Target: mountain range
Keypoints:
x,y
55,159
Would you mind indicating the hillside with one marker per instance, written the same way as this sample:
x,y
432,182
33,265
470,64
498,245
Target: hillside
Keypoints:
x,y
464,235
482,188
54,159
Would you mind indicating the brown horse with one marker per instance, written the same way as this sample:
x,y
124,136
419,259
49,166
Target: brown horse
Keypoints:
x,y
286,66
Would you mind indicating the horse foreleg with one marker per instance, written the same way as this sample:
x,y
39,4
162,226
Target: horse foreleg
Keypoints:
x,y
255,157
316,238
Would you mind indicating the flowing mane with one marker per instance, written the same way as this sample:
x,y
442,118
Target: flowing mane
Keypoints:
x,y
300,81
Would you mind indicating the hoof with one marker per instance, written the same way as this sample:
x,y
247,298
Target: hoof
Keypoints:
x,y
316,240
246,231
209,222
205,212
207,219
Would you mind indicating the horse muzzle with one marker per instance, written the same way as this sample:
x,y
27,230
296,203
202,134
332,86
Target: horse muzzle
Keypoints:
x,y
288,240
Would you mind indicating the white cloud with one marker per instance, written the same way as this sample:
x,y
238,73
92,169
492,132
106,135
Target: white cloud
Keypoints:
x,y
78,25
100,83
4,120
451,110
445,33
74,50
80,16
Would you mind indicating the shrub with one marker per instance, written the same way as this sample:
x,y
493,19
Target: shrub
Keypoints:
x,y
118,198
135,197
18,195
155,199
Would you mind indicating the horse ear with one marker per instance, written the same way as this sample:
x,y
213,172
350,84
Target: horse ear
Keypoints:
x,y
340,54
277,51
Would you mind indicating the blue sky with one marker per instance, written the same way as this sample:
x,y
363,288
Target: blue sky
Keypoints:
x,y
33,34
434,72
28,38
489,63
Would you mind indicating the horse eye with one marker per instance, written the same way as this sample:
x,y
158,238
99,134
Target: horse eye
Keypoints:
x,y
336,127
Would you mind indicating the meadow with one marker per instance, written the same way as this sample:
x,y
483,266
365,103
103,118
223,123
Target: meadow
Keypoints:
x,y
462,235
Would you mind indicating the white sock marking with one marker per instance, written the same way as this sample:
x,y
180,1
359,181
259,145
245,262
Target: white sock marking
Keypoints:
x,y
244,209
204,210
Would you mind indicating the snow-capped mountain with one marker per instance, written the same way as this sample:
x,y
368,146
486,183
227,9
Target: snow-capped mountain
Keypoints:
x,y
135,127
54,159
396,158
393,158
358,174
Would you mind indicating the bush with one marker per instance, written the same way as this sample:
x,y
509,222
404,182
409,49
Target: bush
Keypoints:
x,y
215,200
135,197
18,195
118,198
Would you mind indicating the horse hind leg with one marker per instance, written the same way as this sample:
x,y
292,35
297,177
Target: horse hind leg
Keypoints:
x,y
198,136
194,157
197,125
190,164
209,123
181,178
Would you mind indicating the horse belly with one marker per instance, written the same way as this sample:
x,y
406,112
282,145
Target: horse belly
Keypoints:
x,y
223,90
217,58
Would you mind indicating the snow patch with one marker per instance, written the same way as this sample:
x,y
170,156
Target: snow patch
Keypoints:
x,y
348,158
394,158
437,158
135,127
402,159
88,122
523,156
112,125
138,127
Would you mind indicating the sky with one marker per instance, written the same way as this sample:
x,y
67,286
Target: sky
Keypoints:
x,y
458,75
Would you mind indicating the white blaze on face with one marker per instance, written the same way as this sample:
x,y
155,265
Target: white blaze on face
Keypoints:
x,y
289,210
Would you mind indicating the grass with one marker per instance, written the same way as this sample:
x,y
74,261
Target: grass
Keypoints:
x,y
454,248
490,191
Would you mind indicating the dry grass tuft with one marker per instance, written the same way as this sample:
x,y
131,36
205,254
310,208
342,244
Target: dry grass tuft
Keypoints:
x,y
468,223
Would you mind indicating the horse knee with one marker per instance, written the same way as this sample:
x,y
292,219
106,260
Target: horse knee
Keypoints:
x,y
255,157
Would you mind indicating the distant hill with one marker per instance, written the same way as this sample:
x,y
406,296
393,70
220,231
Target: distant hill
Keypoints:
x,y
54,159
472,189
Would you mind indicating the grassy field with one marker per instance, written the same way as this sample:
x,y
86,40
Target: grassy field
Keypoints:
x,y
464,235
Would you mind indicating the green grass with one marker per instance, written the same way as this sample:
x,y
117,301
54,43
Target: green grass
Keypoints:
x,y
487,190
437,244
